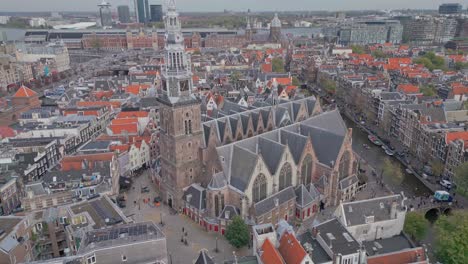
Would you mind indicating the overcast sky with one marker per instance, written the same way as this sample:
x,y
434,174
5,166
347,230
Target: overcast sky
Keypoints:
x,y
238,5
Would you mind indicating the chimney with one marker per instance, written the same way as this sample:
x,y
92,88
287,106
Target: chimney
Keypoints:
x,y
276,202
226,214
393,210
330,245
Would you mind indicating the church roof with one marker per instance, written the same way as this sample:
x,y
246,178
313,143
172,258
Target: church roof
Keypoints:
x,y
242,166
24,91
204,258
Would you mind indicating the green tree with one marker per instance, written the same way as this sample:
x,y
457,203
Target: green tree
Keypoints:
x,y
461,179
237,232
96,43
295,81
379,54
328,85
277,65
391,170
416,225
437,168
465,105
358,49
451,240
431,61
428,90
234,78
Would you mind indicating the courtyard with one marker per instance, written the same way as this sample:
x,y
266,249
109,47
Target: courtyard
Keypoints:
x,y
197,237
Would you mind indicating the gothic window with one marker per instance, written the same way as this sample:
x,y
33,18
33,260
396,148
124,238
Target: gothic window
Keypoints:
x,y
306,170
190,126
345,164
222,202
186,127
216,201
285,177
259,189
184,85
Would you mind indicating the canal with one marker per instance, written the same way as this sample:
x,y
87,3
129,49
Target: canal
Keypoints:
x,y
375,156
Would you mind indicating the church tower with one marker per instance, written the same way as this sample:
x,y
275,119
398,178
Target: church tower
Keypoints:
x,y
180,115
275,29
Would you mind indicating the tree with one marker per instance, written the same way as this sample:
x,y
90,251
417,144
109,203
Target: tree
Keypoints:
x,y
358,49
416,225
461,179
277,65
328,85
431,61
465,105
451,240
237,232
437,168
295,81
428,90
391,170
379,54
234,78
96,43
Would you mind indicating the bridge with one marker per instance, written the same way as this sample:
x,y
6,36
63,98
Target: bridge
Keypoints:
x,y
429,207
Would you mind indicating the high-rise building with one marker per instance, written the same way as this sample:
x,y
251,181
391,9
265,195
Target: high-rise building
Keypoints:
x,y
156,13
142,11
371,32
450,8
105,14
181,132
124,14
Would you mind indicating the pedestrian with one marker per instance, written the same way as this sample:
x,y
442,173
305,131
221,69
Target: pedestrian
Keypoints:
x,y
183,229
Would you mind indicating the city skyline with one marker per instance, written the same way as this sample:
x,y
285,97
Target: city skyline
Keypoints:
x,y
220,5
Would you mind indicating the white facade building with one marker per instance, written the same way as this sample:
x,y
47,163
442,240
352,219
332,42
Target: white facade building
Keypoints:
x,y
372,219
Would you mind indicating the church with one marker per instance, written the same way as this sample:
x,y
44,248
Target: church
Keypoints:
x,y
266,163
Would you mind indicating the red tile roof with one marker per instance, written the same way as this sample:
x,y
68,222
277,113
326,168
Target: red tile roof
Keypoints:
x,y
136,88
118,129
452,136
75,162
24,91
267,68
284,81
120,148
401,257
121,121
408,88
291,249
132,114
270,255
7,132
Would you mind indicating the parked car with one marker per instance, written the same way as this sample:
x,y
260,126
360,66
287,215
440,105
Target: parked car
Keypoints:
x,y
446,184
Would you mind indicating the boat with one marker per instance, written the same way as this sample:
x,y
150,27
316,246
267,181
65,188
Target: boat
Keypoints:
x,y
389,152
375,140
409,171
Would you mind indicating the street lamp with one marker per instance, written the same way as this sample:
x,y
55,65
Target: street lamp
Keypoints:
x,y
216,248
